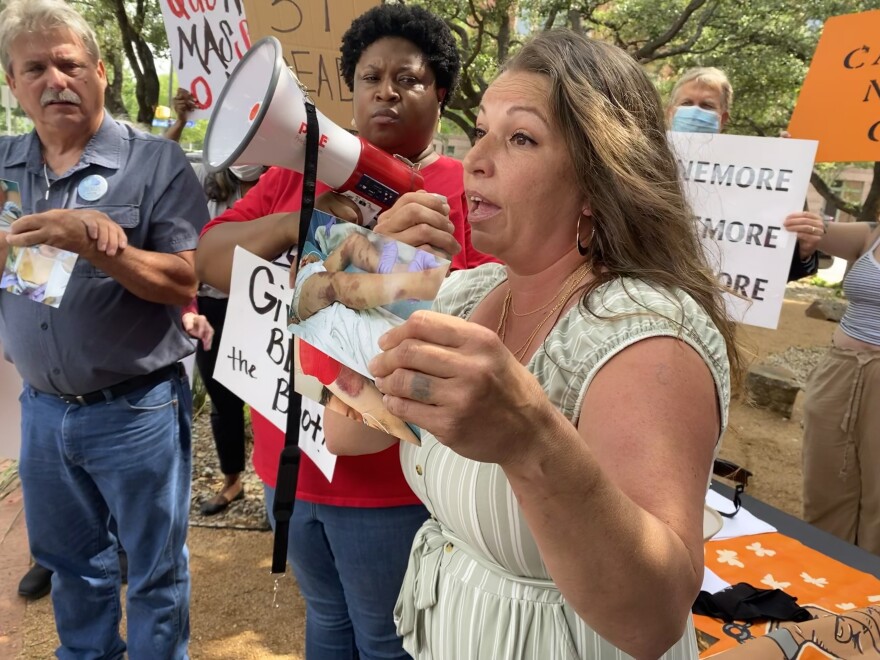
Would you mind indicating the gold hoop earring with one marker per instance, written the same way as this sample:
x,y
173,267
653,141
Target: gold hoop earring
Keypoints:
x,y
583,250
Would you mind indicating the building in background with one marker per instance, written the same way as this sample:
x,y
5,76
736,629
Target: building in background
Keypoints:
x,y
852,184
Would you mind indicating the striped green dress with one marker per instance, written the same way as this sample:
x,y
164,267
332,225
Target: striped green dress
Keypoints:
x,y
476,587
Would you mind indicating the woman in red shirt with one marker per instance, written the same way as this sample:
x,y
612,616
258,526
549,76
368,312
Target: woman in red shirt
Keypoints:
x,y
350,538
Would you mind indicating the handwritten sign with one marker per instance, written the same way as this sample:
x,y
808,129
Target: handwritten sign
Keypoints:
x,y
207,39
254,359
311,437
839,103
310,32
741,189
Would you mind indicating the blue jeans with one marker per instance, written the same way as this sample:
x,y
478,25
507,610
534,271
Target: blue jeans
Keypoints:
x,y
349,563
129,458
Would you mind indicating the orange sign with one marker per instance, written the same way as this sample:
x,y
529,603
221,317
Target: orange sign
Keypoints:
x,y
839,103
310,32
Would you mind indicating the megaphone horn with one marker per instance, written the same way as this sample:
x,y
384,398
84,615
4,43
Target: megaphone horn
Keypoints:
x,y
260,119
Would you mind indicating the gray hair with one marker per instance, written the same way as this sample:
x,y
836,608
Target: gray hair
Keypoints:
x,y
707,76
33,16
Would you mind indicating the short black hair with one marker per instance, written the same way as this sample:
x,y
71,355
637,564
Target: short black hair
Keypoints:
x,y
416,24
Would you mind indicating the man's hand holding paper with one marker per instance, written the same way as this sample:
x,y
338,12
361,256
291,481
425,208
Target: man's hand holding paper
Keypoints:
x,y
83,231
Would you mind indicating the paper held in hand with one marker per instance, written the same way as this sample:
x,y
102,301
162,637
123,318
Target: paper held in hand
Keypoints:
x,y
741,189
353,285
38,272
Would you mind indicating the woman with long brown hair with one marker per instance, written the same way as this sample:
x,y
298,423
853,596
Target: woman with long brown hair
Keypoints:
x,y
572,410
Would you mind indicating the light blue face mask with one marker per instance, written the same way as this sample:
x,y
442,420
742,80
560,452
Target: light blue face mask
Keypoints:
x,y
693,119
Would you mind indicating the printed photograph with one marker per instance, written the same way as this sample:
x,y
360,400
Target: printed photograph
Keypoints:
x,y
352,286
38,272
10,203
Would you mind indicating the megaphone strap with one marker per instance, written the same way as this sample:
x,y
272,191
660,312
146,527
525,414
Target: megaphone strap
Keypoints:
x,y
288,466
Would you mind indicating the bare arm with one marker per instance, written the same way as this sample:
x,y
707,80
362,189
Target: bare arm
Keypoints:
x,y
167,279
365,290
847,240
614,505
346,437
184,104
266,237
355,249
637,472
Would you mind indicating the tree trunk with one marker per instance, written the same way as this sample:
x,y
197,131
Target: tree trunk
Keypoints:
x,y
505,31
113,97
140,58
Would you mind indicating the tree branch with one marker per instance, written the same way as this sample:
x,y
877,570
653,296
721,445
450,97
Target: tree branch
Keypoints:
x,y
646,52
465,123
871,207
829,195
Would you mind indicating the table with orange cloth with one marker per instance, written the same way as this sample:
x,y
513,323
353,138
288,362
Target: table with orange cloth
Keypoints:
x,y
829,578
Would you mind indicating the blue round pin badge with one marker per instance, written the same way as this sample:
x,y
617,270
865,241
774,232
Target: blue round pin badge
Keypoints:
x,y
92,188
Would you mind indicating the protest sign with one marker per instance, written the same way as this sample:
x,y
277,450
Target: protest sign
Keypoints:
x,y
310,32
839,103
311,437
10,410
253,358
741,189
207,39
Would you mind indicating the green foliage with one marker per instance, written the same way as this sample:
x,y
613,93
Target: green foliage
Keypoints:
x,y
191,139
764,47
837,287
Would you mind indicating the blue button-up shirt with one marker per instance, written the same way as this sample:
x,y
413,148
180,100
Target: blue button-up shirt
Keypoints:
x,y
101,334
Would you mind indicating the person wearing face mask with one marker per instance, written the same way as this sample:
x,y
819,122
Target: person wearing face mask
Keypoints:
x,y
700,102
222,190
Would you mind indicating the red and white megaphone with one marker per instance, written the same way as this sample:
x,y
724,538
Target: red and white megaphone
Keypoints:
x,y
260,119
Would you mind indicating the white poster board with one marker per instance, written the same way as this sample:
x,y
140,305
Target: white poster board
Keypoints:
x,y
207,40
253,359
10,410
741,188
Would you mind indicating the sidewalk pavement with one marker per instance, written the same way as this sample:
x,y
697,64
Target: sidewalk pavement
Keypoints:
x,y
14,561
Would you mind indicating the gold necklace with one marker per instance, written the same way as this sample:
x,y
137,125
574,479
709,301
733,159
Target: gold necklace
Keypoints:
x,y
546,304
561,298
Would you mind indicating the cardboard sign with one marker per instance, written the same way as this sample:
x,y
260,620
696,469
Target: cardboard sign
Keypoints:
x,y
839,103
207,39
741,189
310,32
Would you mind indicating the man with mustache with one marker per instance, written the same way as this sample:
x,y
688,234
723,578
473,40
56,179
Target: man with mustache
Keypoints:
x,y
106,409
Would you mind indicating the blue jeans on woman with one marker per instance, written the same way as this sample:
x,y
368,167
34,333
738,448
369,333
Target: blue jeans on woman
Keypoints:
x,y
130,458
349,563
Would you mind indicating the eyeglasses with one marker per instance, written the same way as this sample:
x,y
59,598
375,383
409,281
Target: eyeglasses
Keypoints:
x,y
738,475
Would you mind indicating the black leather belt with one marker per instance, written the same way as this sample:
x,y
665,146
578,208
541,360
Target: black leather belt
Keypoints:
x,y
125,387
